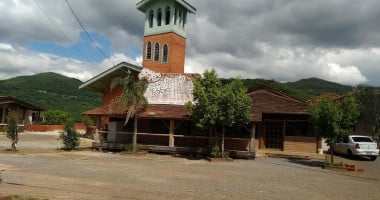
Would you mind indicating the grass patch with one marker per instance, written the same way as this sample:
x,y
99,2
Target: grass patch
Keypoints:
x,y
20,197
336,164
129,148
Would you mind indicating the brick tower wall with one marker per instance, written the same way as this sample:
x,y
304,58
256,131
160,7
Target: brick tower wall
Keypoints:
x,y
176,56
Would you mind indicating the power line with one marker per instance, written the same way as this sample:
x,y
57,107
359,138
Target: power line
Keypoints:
x,y
59,29
88,35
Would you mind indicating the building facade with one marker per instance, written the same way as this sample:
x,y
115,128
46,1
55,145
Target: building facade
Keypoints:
x,y
278,120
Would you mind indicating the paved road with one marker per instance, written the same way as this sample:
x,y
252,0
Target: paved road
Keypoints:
x,y
371,168
94,175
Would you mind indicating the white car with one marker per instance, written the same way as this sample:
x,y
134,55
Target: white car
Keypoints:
x,y
358,145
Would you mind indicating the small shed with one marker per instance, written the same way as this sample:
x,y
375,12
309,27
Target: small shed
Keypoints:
x,y
26,113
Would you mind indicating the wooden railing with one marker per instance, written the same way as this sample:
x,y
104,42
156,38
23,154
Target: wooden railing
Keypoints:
x,y
179,140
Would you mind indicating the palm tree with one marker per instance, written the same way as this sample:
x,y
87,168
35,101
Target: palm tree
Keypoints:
x,y
131,100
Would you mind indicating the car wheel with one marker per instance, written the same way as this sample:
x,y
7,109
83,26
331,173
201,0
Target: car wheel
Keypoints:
x,y
373,158
349,154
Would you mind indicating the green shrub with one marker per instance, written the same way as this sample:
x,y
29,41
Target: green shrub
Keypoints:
x,y
338,164
56,117
12,130
87,120
70,137
215,151
129,148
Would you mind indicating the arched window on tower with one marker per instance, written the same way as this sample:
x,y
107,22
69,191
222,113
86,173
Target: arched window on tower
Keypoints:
x,y
148,51
165,54
175,15
167,15
151,17
156,52
180,17
184,19
159,17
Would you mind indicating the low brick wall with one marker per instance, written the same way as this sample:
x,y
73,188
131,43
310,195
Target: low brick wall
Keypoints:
x,y
236,144
300,144
51,128
191,142
152,140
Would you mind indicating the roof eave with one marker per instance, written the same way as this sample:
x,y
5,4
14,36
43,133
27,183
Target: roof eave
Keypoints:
x,y
87,84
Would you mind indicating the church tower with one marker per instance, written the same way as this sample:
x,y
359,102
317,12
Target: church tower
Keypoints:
x,y
165,34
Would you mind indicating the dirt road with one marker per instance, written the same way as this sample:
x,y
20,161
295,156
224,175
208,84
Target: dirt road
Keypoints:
x,y
94,175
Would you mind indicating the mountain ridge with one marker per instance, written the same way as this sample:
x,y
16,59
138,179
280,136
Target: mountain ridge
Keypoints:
x,y
51,90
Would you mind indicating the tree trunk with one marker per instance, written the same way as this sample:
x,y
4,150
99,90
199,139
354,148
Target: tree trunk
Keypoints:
x,y
134,138
222,144
13,146
332,154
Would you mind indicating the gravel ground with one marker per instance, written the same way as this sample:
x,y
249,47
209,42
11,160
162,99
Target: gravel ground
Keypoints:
x,y
56,174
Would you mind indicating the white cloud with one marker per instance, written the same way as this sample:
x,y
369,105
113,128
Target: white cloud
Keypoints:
x,y
349,75
20,61
281,40
284,64
6,47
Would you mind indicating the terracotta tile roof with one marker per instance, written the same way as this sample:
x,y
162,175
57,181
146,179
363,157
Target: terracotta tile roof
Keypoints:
x,y
103,111
330,95
267,100
153,111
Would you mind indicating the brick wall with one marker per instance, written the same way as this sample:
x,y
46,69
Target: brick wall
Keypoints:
x,y
108,95
176,57
300,144
51,128
236,144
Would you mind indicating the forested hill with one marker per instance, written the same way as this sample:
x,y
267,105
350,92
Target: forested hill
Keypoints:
x,y
315,86
303,89
51,91
55,91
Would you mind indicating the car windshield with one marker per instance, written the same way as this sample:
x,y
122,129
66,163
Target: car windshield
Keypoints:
x,y
362,139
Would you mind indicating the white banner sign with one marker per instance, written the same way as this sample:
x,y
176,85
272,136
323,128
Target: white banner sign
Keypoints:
x,y
168,88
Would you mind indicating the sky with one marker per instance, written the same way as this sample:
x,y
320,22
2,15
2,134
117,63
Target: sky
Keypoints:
x,y
283,40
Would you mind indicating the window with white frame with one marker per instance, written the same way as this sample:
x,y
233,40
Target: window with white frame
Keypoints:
x,y
148,51
165,53
156,52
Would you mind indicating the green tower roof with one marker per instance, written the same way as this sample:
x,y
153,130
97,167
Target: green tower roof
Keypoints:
x,y
144,5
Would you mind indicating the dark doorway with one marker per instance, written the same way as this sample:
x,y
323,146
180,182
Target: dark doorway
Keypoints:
x,y
274,135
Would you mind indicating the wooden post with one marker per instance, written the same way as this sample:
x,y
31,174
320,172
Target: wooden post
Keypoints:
x,y
96,136
253,135
134,137
262,135
283,135
171,133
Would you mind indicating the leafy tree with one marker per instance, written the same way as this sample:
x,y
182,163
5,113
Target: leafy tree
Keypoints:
x,y
218,105
334,119
369,104
56,117
207,94
12,130
234,108
70,137
87,122
131,100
